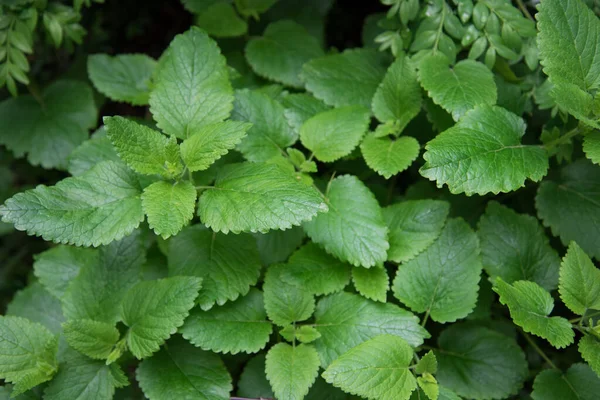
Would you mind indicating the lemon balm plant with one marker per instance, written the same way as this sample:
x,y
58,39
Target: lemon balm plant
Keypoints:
x,y
417,218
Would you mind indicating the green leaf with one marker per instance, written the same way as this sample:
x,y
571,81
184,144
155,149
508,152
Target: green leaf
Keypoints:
x,y
479,363
372,283
443,280
27,353
291,370
210,143
413,226
281,51
169,206
81,378
93,338
589,347
299,107
565,51
182,371
237,326
348,78
429,386
388,156
253,7
333,134
571,99
570,206
37,305
578,383
192,85
375,369
529,306
253,381
91,152
353,230
145,150
303,333
286,303
483,153
153,310
228,264
220,20
257,197
460,88
48,131
398,97
591,146
89,210
276,246
124,77
514,247
346,320
427,364
270,132
579,281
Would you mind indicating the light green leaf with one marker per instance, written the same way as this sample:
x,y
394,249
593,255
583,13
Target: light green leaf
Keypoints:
x,y
483,153
228,264
589,347
145,150
578,383
312,269
286,303
372,283
570,206
91,152
192,85
257,197
479,363
237,326
220,20
37,305
427,363
348,78
124,77
573,100
276,246
210,143
253,381
579,281
182,371
48,133
591,146
443,280
460,88
333,134
388,156
169,206
429,386
303,333
299,107
514,247
270,132
281,51
346,320
375,369
353,230
96,208
413,226
291,370
93,338
153,310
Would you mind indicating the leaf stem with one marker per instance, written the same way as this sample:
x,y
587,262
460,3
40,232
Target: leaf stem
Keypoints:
x,y
564,138
204,187
425,318
524,9
538,349
579,319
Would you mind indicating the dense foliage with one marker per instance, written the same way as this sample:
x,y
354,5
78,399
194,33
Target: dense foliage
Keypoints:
x,y
278,214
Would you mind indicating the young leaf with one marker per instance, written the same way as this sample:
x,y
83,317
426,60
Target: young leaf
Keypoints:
x,y
333,134
483,153
345,79
37,305
346,320
285,303
291,370
578,383
353,230
210,143
443,280
428,384
91,152
282,50
427,364
299,107
589,347
192,85
303,333
228,264
237,326
153,310
388,156
257,197
145,150
579,282
375,369
478,363
48,132
169,206
124,77
413,226
514,247
460,88
529,306
92,338
96,208
372,283
182,371
591,146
